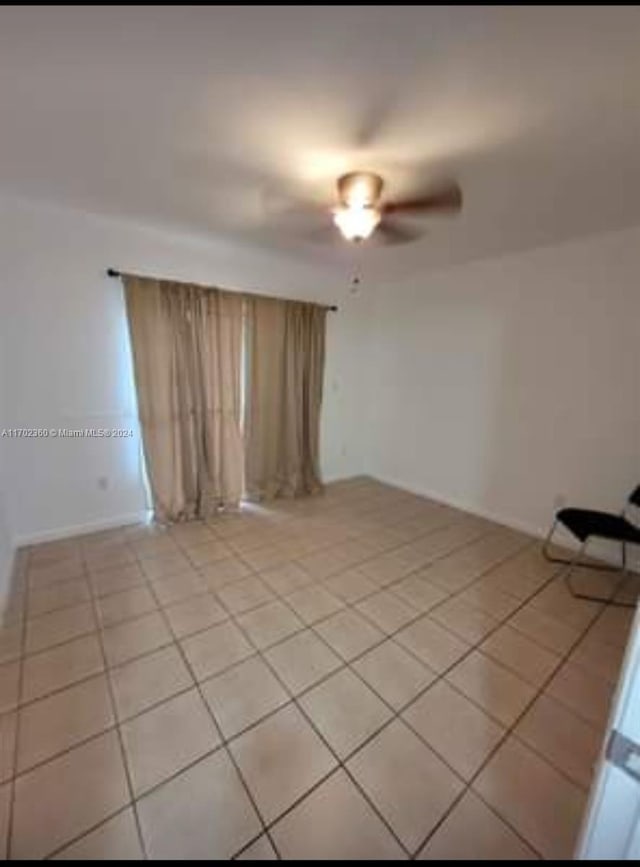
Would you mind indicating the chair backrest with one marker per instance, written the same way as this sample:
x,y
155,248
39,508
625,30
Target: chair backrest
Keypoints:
x,y
633,500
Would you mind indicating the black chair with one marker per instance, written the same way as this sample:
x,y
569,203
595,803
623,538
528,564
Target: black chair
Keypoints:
x,y
587,524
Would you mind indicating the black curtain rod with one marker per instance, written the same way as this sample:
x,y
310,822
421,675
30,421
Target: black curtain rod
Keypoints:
x,y
111,272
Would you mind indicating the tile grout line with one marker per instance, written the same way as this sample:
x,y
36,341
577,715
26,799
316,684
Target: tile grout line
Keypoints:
x,y
9,845
223,742
341,764
79,837
442,675
269,826
328,746
117,727
510,730
398,717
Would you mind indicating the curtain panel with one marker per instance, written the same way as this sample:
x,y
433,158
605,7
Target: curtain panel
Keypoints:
x,y
285,346
187,354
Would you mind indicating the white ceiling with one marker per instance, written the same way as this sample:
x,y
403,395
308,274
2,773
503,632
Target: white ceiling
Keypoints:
x,y
205,118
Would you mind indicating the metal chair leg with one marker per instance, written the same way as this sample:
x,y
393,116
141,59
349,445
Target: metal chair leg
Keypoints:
x,y
552,559
547,542
572,565
605,600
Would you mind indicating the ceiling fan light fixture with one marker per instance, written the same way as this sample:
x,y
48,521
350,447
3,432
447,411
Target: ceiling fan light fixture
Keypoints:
x,y
356,222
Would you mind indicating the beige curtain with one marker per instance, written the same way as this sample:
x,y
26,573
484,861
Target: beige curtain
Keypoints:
x,y
187,351
285,367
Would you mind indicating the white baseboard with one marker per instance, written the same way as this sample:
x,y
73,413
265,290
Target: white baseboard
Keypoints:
x,y
330,478
79,529
514,524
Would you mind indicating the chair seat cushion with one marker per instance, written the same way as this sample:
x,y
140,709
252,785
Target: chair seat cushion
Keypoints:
x,y
587,522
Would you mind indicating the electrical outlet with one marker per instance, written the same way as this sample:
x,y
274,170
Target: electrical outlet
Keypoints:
x,y
103,483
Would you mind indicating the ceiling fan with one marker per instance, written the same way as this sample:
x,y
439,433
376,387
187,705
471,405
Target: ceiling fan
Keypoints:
x,y
360,211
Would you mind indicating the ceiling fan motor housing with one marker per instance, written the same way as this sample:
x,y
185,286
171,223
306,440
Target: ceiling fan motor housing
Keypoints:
x,y
359,189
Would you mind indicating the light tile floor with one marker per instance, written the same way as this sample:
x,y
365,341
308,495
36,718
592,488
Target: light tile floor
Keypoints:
x,y
363,674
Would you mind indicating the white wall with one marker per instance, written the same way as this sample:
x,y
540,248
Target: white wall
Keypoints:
x,y
69,365
506,384
6,546
6,536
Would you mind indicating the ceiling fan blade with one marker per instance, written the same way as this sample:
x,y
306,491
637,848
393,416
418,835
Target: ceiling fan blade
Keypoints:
x,y
373,120
328,235
389,232
284,205
448,198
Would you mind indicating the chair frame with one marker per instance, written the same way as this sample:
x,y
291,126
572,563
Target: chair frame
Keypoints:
x,y
575,561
